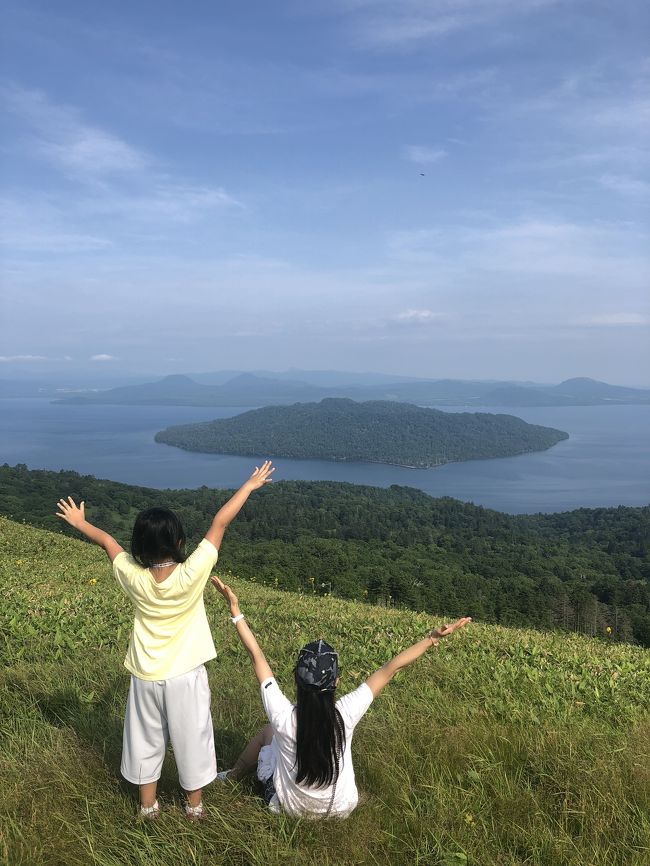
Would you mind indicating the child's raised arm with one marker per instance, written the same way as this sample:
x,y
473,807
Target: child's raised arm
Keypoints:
x,y
231,509
75,515
385,674
246,636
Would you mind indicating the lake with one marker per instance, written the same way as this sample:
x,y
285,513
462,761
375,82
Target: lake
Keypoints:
x,y
605,462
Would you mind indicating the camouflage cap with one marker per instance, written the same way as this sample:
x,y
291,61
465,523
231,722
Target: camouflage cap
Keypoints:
x,y
317,666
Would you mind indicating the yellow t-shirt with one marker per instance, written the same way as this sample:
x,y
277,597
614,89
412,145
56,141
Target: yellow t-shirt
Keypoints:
x,y
171,635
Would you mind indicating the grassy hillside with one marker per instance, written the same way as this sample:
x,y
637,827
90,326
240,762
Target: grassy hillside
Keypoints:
x,y
504,747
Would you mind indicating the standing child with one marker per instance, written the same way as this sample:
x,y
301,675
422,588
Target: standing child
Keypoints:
x,y
303,756
169,696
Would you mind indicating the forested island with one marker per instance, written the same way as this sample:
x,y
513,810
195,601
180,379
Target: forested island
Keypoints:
x,y
376,431
586,570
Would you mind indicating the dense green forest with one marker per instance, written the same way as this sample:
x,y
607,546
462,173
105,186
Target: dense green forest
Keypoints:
x,y
377,431
585,570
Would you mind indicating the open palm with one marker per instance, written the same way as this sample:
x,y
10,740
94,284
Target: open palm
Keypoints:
x,y
262,475
446,630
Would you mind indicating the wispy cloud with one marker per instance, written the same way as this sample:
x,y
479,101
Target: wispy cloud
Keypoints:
x,y
529,247
615,319
163,200
628,116
103,358
422,155
12,358
384,24
418,317
57,242
61,136
625,185
33,225
118,179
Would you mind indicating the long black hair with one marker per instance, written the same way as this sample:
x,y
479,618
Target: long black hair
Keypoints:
x,y
158,534
320,737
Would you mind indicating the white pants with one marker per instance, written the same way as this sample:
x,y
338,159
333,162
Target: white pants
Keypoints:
x,y
163,711
267,761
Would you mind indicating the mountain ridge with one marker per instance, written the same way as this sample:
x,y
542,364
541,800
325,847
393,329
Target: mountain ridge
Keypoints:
x,y
251,389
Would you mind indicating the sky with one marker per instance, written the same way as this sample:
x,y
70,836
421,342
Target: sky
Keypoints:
x,y
436,188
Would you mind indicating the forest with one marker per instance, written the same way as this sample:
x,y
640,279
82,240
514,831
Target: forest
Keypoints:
x,y
586,570
377,431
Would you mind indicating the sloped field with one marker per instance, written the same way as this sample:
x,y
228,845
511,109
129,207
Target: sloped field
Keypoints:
x,y
503,747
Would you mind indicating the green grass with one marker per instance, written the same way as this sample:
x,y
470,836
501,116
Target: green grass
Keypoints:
x,y
504,747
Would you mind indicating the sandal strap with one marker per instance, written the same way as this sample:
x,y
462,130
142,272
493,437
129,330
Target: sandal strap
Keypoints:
x,y
145,811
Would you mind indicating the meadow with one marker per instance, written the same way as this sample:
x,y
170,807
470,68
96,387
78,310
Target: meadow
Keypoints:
x,y
504,747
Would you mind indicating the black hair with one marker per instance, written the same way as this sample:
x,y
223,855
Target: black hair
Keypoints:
x,y
320,737
157,535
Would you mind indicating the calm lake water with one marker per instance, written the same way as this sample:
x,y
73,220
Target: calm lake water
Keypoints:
x,y
606,460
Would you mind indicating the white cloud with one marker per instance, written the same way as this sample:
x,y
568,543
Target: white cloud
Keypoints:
x,y
103,358
418,317
11,358
421,155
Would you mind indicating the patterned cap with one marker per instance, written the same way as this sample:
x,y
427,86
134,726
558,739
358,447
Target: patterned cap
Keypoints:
x,y
317,667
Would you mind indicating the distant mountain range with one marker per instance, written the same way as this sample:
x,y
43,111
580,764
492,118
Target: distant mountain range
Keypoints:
x,y
250,389
375,431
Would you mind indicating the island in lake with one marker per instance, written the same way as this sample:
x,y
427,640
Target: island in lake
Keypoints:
x,y
376,432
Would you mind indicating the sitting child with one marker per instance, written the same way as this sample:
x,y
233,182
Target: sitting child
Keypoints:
x,y
303,757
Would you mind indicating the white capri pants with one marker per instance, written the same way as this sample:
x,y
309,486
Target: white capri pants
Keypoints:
x,y
163,711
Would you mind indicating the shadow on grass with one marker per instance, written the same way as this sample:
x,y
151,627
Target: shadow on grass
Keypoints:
x,y
97,720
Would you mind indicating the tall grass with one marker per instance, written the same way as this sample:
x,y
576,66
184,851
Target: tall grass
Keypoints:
x,y
504,747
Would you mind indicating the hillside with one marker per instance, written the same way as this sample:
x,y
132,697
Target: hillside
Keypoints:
x,y
244,389
506,746
572,392
587,569
263,389
376,431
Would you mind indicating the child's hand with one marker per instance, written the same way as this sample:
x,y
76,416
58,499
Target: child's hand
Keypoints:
x,y
261,476
71,513
446,630
227,593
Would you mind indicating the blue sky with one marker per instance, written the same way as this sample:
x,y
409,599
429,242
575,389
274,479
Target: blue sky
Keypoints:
x,y
444,188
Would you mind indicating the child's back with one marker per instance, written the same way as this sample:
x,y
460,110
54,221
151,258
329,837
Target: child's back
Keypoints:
x,y
169,695
170,634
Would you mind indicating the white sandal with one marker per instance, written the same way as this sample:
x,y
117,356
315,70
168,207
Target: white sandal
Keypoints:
x,y
195,813
149,813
